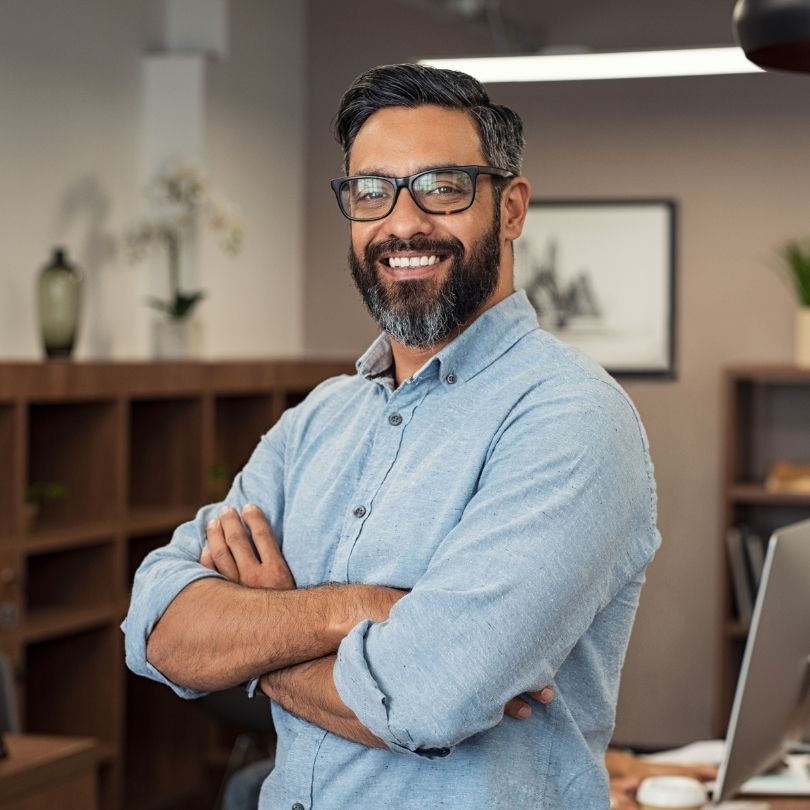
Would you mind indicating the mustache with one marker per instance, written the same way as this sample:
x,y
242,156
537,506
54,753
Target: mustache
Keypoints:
x,y
419,244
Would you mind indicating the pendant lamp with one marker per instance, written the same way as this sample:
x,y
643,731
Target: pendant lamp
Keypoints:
x,y
774,33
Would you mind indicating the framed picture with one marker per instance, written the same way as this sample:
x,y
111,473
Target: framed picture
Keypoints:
x,y
601,275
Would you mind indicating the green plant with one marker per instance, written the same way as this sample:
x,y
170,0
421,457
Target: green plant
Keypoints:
x,y
41,491
796,256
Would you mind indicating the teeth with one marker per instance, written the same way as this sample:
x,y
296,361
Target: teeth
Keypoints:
x,y
412,261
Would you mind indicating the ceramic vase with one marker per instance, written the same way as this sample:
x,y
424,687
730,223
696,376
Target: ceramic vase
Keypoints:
x,y
59,296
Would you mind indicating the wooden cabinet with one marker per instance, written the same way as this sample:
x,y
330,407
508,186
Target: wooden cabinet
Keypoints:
x,y
41,773
767,420
101,461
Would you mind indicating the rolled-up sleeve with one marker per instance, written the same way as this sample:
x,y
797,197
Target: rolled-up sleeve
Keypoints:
x,y
168,570
562,519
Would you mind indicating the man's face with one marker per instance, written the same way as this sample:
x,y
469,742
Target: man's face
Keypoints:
x,y
421,304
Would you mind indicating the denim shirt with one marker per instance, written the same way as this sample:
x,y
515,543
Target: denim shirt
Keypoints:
x,y
508,486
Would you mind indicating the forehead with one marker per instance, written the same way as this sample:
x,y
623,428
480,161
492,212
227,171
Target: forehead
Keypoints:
x,y
401,140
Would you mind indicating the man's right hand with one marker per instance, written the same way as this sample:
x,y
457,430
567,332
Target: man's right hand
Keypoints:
x,y
520,709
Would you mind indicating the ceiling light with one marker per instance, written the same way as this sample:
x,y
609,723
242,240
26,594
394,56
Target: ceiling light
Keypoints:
x,y
775,33
615,65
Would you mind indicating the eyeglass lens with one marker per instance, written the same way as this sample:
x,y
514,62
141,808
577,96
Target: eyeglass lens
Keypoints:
x,y
439,192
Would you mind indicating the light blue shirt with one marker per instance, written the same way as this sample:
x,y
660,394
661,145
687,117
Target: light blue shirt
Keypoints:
x,y
508,486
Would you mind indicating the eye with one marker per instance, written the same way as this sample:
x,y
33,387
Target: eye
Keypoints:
x,y
444,186
369,191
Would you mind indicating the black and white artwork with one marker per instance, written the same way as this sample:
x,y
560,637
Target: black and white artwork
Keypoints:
x,y
601,275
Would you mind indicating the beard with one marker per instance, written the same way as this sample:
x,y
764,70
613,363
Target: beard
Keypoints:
x,y
422,312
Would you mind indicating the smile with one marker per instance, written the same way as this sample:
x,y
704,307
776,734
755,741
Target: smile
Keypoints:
x,y
412,261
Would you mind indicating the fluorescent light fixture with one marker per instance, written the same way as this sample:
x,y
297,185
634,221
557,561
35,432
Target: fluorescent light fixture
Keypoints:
x,y
617,65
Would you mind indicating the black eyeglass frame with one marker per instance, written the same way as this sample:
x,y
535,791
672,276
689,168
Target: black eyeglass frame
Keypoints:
x,y
407,182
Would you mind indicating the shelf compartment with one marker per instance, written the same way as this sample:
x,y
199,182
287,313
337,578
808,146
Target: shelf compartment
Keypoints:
x,y
159,519
73,445
240,422
771,426
89,534
9,453
757,493
72,684
56,623
165,455
62,586
159,724
138,547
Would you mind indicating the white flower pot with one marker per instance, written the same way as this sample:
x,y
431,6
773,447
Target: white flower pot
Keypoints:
x,y
803,337
174,339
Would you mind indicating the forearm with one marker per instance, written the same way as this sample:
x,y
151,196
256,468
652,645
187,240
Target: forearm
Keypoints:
x,y
216,634
308,691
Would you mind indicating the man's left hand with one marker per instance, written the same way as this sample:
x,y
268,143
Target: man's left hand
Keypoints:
x,y
260,564
230,552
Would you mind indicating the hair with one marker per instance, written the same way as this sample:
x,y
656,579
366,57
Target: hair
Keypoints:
x,y
409,85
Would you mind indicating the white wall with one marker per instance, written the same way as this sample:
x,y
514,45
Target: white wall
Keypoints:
x,y
70,95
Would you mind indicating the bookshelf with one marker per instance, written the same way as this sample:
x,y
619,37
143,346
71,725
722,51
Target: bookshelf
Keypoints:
x,y
118,455
767,420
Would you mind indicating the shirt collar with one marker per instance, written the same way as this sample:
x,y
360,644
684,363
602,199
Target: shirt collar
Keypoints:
x,y
481,343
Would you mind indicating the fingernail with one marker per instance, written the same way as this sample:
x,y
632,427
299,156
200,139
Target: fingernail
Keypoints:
x,y
226,510
546,695
249,507
524,711
212,524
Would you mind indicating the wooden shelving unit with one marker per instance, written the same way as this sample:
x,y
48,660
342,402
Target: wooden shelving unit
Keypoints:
x,y
136,449
767,420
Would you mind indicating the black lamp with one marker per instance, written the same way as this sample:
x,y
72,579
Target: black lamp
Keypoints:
x,y
774,33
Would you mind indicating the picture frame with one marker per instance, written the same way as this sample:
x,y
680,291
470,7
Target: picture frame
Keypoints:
x,y
601,275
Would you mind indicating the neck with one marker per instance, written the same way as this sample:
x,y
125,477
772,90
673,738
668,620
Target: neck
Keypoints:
x,y
409,359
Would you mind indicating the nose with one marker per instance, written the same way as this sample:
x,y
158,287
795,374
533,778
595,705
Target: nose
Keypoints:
x,y
407,219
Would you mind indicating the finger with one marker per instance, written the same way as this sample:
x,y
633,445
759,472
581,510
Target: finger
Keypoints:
x,y
262,533
518,709
237,539
221,555
544,695
205,558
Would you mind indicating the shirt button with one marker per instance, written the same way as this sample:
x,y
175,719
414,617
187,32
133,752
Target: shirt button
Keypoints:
x,y
395,419
298,806
451,379
360,511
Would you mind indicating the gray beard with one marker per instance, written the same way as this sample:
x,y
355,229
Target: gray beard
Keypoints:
x,y
423,312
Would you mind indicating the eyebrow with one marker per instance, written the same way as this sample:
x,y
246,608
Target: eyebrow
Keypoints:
x,y
379,172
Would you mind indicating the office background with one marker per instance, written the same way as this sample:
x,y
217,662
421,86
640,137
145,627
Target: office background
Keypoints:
x,y
730,150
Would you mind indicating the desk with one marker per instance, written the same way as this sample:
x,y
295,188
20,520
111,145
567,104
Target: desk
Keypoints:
x,y
43,773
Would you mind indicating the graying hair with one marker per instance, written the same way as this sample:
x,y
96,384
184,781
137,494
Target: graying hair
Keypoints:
x,y
409,85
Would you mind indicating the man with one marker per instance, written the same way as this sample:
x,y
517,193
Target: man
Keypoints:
x,y
467,520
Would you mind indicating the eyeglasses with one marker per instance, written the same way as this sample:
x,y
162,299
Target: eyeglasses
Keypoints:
x,y
367,197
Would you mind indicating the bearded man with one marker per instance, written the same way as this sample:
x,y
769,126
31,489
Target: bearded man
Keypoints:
x,y
413,553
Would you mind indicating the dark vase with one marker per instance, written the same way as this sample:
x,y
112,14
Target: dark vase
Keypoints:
x,y
59,295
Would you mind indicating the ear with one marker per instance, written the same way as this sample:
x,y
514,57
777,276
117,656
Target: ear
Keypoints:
x,y
514,205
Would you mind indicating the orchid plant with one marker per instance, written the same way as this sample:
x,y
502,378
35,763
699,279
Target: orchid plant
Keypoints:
x,y
183,199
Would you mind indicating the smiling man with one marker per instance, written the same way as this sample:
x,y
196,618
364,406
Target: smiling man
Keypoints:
x,y
463,522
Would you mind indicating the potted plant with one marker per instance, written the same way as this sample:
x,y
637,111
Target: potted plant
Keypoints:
x,y
183,201
796,258
37,495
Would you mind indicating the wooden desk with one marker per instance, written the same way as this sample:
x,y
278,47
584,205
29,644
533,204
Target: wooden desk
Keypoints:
x,y
44,773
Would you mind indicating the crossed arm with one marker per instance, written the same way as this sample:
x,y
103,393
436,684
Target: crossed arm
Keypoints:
x,y
216,634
